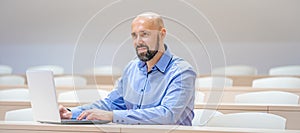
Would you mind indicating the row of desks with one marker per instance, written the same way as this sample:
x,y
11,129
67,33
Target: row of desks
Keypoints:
x,y
237,80
110,80
33,127
290,112
226,94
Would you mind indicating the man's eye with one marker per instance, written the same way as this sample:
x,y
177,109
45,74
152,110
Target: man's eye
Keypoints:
x,y
133,35
146,34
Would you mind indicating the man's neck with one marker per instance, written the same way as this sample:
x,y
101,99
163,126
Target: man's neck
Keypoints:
x,y
154,60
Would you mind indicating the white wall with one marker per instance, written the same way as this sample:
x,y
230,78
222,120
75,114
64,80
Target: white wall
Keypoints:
x,y
252,32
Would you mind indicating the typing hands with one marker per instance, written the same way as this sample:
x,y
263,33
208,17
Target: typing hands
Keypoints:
x,y
93,114
64,113
96,114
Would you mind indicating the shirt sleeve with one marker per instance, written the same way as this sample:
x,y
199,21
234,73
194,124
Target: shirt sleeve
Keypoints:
x,y
176,106
114,101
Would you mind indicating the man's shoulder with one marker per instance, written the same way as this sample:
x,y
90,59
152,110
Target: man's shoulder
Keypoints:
x,y
179,64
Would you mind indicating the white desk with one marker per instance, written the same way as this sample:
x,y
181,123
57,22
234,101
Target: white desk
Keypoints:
x,y
33,127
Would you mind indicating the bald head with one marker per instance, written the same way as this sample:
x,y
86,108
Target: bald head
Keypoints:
x,y
151,20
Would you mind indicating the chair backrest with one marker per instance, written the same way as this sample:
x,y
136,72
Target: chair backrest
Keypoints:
x,y
248,120
292,70
106,71
12,80
70,81
4,69
103,93
236,70
277,82
202,116
82,95
211,82
267,97
199,97
19,115
57,70
17,94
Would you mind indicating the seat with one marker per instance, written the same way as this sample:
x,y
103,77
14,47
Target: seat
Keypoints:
x,y
277,82
12,80
82,95
199,97
70,81
213,82
202,116
248,120
4,69
57,70
292,70
106,71
267,97
17,94
19,115
235,70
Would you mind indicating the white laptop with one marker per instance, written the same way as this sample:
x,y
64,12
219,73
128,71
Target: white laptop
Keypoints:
x,y
44,102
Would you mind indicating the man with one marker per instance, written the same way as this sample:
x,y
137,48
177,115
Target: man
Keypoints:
x,y
156,88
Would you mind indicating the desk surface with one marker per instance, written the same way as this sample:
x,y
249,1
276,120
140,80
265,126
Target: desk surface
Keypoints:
x,y
222,106
228,93
249,107
248,89
63,88
110,79
29,127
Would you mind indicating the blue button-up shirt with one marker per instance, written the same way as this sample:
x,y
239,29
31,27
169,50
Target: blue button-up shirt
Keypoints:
x,y
165,95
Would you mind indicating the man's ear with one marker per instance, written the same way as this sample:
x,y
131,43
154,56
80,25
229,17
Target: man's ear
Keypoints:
x,y
163,33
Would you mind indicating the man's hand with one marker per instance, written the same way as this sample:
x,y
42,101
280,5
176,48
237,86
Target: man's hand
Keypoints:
x,y
96,114
64,113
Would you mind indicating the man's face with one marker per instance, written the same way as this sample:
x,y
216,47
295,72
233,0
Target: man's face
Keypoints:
x,y
145,40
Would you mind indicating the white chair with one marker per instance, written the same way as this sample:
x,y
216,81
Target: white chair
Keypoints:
x,y
12,80
103,93
267,97
106,71
17,94
202,116
248,120
213,82
19,115
277,82
4,69
57,70
82,95
70,81
199,97
236,70
292,70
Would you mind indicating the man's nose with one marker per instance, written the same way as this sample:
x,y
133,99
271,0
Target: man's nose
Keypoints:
x,y
139,40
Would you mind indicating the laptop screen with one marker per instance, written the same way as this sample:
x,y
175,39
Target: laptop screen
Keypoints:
x,y
43,96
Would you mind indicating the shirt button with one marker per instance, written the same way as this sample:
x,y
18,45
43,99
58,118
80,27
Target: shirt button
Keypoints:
x,y
142,90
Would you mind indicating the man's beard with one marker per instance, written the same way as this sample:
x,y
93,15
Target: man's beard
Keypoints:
x,y
149,54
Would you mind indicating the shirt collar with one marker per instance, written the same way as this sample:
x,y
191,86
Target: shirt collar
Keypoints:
x,y
163,62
